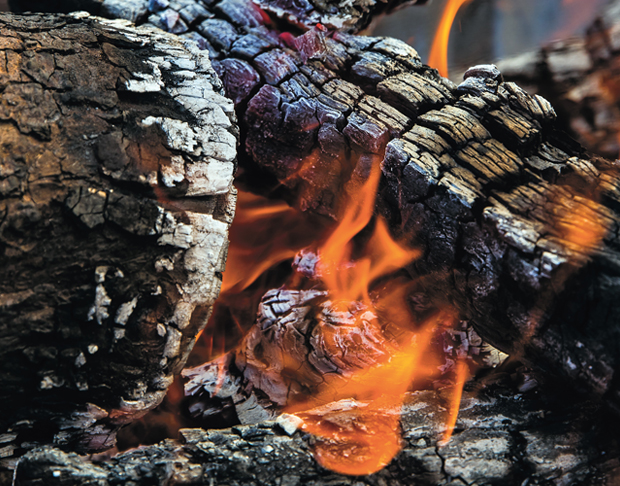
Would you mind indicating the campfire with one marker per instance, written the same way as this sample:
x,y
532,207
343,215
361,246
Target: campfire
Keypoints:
x,y
420,279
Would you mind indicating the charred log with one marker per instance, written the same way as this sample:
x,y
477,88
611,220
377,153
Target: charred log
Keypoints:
x,y
501,441
517,223
117,151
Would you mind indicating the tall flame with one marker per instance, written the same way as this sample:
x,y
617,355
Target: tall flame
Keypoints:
x,y
347,280
438,57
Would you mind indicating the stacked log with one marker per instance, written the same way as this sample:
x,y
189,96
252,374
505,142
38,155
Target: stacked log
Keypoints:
x,y
516,222
118,151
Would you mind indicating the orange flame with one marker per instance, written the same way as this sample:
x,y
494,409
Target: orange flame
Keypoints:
x,y
581,225
263,234
438,57
363,437
455,402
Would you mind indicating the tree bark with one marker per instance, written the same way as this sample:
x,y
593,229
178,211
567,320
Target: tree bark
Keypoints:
x,y
118,151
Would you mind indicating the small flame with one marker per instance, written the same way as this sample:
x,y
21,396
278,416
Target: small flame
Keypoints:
x,y
582,225
438,57
455,402
263,234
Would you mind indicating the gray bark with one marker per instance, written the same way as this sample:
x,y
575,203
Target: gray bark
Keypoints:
x,y
117,153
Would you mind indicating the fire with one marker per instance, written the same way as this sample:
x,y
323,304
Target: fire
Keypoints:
x,y
264,234
347,280
438,57
363,437
582,223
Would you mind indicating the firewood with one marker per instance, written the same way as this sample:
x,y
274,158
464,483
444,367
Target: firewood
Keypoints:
x,y
501,441
516,221
117,153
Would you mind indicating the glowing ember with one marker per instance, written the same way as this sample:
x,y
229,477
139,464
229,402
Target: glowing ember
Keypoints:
x,y
438,57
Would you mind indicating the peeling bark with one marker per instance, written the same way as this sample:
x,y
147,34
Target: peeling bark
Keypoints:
x,y
118,151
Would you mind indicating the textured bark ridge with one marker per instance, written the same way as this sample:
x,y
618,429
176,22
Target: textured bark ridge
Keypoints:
x,y
518,225
501,441
579,76
117,153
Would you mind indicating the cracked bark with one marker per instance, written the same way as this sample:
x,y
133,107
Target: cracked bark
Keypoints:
x,y
116,197
476,174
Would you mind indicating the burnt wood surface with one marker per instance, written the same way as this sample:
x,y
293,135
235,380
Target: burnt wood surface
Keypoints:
x,y
517,222
500,441
117,151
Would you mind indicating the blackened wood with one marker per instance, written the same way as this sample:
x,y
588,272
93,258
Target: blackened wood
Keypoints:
x,y
517,222
117,153
498,441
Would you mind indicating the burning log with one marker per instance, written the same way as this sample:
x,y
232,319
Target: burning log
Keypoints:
x,y
579,77
118,151
516,223
512,218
